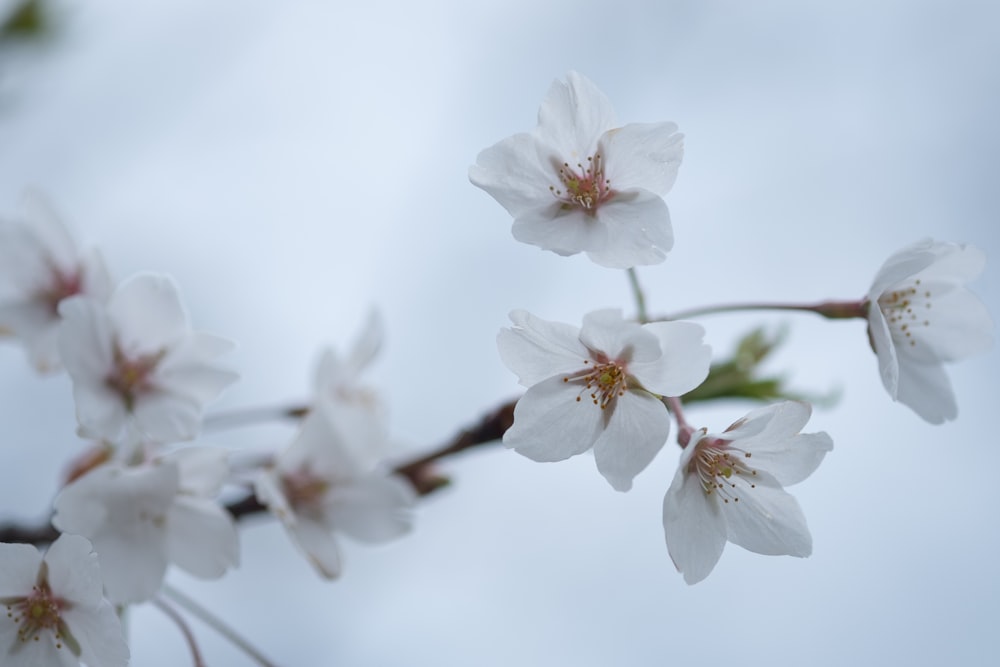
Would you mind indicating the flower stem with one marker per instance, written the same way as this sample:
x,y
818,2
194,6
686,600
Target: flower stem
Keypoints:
x,y
216,624
640,298
834,310
172,614
684,430
250,416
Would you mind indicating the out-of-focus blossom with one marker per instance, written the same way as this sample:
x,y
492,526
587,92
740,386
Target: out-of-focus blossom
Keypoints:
x,y
728,487
318,487
580,183
921,315
140,374
56,613
599,386
39,267
142,518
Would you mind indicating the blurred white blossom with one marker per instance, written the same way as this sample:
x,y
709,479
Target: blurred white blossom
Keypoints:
x,y
318,487
56,612
142,518
920,315
39,267
580,183
599,386
728,487
140,374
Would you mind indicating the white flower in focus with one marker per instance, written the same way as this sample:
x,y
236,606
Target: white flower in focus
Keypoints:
x,y
728,487
317,487
138,369
920,315
580,183
56,613
599,386
39,267
142,518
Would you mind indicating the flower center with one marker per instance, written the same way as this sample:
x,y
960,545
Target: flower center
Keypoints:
x,y
37,613
905,310
604,382
584,186
719,466
62,287
131,377
304,489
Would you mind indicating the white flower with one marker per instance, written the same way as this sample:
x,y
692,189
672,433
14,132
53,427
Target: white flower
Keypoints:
x,y
56,614
920,315
579,183
39,267
141,518
729,487
138,370
599,386
341,395
317,487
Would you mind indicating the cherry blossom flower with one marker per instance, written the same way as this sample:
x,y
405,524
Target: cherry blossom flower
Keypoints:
x,y
345,398
599,387
140,374
579,183
318,487
728,487
920,315
39,267
56,613
141,518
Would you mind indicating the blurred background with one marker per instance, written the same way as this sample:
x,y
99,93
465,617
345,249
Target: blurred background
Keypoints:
x,y
294,164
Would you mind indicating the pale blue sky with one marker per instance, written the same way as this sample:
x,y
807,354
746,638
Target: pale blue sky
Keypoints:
x,y
291,164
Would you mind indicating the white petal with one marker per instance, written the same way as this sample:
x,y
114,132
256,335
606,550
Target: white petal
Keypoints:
x,y
201,537
550,424
643,156
367,344
684,362
373,509
267,488
513,174
957,326
536,349
202,470
637,228
318,544
902,265
46,226
606,331
164,417
323,449
926,389
636,432
767,427
19,565
573,116
74,573
99,635
36,653
885,350
561,228
766,519
147,312
693,527
85,339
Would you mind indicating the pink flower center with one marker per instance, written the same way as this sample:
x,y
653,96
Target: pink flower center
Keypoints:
x,y
605,381
130,377
585,186
719,466
37,613
63,286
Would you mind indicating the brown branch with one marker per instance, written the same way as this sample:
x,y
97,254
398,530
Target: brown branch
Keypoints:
x,y
421,474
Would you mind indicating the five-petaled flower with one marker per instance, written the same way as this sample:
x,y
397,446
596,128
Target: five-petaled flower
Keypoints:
x,y
729,487
599,386
140,375
579,183
142,518
920,315
39,267
319,485
56,614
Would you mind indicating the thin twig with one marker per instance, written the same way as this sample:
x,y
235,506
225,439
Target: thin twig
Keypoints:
x,y
172,614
